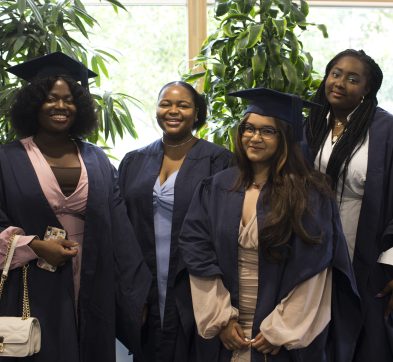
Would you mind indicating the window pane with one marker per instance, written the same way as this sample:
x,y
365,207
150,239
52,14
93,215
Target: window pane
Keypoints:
x,y
358,28
150,43
348,27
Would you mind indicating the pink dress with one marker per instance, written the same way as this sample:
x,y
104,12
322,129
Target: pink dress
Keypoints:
x,y
69,210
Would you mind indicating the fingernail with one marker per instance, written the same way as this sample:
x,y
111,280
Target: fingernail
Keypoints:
x,y
246,339
253,340
379,295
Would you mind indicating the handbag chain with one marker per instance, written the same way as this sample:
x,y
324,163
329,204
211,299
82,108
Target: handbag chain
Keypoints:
x,y
26,304
3,275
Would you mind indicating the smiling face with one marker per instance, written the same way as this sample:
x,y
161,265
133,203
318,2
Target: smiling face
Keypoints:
x,y
57,114
258,149
346,85
176,113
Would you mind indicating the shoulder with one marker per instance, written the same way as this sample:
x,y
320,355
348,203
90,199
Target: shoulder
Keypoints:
x,y
212,147
153,149
223,180
205,148
88,147
11,147
94,155
381,113
217,155
382,124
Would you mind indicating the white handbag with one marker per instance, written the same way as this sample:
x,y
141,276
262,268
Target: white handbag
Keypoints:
x,y
19,336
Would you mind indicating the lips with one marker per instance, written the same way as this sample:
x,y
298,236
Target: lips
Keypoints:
x,y
59,118
336,94
173,122
256,148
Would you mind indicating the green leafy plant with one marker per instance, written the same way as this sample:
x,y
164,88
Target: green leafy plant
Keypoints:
x,y
256,44
31,28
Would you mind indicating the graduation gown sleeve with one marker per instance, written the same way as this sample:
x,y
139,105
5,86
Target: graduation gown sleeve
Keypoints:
x,y
131,273
212,305
209,244
301,316
22,254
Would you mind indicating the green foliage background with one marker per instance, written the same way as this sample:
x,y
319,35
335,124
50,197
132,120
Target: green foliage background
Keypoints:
x,y
31,28
255,45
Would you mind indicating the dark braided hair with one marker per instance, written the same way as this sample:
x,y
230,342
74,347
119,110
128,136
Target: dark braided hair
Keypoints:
x,y
317,128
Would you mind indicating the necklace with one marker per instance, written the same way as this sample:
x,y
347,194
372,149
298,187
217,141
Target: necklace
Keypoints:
x,y
338,130
258,185
178,145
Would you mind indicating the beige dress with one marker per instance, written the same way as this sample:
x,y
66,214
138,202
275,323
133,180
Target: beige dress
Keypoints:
x,y
295,321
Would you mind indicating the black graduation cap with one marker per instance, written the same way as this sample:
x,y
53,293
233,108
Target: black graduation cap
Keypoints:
x,y
53,64
284,106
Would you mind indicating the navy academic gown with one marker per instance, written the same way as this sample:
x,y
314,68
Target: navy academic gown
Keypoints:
x,y
112,264
138,173
374,235
209,245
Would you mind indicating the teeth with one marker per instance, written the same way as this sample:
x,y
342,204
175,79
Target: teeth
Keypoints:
x,y
59,117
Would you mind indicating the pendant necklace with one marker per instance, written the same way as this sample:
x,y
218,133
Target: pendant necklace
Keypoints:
x,y
339,127
258,185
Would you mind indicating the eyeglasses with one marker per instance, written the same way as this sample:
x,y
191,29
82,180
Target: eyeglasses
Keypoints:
x,y
266,132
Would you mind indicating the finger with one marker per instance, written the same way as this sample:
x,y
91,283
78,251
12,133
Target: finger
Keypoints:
x,y
239,343
258,341
68,253
239,331
238,337
257,345
275,351
258,337
388,288
69,243
229,346
389,307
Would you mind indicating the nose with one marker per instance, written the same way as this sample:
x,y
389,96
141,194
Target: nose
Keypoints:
x,y
60,103
173,109
258,132
339,82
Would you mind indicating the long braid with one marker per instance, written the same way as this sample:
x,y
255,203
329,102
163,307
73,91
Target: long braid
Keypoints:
x,y
355,133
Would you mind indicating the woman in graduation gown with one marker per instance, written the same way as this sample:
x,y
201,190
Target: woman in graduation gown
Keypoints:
x,y
351,140
50,177
157,182
264,248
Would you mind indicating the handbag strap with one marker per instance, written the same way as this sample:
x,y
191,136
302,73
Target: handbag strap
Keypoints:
x,y
7,262
4,275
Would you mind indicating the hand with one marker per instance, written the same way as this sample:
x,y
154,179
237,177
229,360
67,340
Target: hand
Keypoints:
x,y
145,311
56,252
384,292
261,344
232,336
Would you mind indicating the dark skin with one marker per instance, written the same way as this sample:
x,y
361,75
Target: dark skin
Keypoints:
x,y
345,87
55,118
176,114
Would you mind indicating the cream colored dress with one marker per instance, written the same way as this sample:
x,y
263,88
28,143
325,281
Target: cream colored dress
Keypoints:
x,y
294,323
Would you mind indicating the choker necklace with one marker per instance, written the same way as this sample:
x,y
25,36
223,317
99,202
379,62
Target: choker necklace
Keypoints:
x,y
178,145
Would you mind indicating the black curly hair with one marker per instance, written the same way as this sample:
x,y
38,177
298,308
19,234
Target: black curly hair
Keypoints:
x,y
199,101
30,98
317,129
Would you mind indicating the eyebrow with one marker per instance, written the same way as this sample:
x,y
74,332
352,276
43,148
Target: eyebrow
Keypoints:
x,y
178,101
350,73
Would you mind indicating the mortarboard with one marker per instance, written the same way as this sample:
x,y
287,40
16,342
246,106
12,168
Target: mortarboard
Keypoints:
x,y
284,106
53,64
